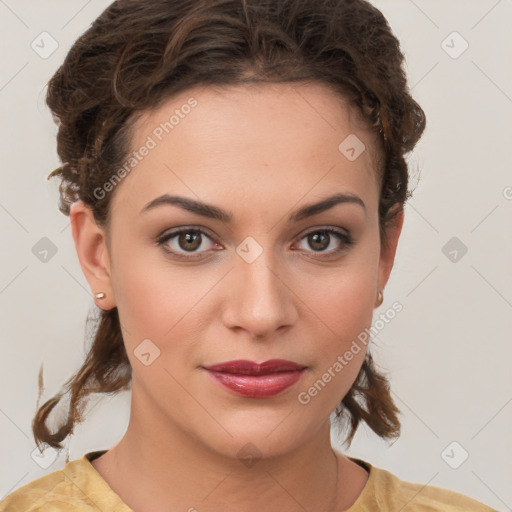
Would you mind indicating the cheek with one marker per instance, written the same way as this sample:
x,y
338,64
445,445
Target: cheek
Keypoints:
x,y
159,302
348,316
341,338
147,297
342,302
340,310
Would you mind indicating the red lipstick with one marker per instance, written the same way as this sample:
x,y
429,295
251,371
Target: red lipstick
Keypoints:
x,y
253,380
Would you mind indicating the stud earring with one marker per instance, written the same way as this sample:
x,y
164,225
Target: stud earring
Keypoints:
x,y
100,295
380,299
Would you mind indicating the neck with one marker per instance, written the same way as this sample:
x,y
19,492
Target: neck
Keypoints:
x,y
176,471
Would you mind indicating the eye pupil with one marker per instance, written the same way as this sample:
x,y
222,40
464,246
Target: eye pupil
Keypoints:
x,y
187,237
316,244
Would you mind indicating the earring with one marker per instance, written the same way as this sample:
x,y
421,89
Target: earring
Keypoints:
x,y
100,295
380,299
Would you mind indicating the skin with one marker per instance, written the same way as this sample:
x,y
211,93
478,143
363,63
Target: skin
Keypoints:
x,y
259,151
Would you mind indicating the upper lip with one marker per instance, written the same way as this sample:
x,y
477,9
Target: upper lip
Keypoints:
x,y
244,367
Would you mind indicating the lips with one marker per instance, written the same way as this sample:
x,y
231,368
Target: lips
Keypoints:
x,y
252,380
244,367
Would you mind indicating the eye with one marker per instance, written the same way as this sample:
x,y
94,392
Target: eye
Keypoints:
x,y
322,239
188,240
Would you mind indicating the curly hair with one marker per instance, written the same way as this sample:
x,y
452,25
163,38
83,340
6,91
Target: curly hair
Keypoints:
x,y
137,54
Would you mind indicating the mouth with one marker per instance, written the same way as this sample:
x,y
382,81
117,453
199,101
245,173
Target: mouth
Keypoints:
x,y
245,367
254,380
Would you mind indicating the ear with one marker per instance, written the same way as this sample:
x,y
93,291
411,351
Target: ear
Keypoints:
x,y
92,251
388,251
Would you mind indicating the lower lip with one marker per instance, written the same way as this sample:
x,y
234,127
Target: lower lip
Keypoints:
x,y
257,387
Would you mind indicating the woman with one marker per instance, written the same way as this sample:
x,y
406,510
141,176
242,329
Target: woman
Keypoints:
x,y
235,176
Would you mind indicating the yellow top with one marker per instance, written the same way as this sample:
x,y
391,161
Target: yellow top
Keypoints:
x,y
78,487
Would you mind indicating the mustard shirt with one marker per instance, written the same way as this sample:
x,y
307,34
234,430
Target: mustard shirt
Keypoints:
x,y
78,487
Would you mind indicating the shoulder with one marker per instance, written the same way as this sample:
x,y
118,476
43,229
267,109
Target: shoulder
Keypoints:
x,y
71,489
386,491
50,492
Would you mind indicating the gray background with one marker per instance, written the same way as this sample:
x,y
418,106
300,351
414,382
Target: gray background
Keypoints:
x,y
448,352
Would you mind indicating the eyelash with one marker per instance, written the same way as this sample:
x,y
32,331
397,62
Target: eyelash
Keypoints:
x,y
347,240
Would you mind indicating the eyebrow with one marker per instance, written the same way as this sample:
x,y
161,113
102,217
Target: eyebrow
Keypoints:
x,y
214,212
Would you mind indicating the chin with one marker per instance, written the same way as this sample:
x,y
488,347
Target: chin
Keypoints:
x,y
262,438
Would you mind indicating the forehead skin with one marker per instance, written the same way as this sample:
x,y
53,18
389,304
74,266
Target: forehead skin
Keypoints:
x,y
258,150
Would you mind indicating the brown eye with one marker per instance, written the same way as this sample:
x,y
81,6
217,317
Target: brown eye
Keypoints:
x,y
186,240
319,241
322,239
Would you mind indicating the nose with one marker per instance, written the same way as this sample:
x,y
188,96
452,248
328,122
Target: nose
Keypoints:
x,y
259,299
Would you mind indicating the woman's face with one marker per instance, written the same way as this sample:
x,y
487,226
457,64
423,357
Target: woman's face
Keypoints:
x,y
262,285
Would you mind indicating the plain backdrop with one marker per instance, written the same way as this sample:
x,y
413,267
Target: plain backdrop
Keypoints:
x,y
447,353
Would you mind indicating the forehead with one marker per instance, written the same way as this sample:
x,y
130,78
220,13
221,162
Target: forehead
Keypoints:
x,y
260,139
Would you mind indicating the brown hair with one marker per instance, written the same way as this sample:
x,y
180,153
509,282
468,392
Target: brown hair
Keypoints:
x,y
138,53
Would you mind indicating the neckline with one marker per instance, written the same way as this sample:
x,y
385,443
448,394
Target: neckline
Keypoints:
x,y
99,480
90,456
